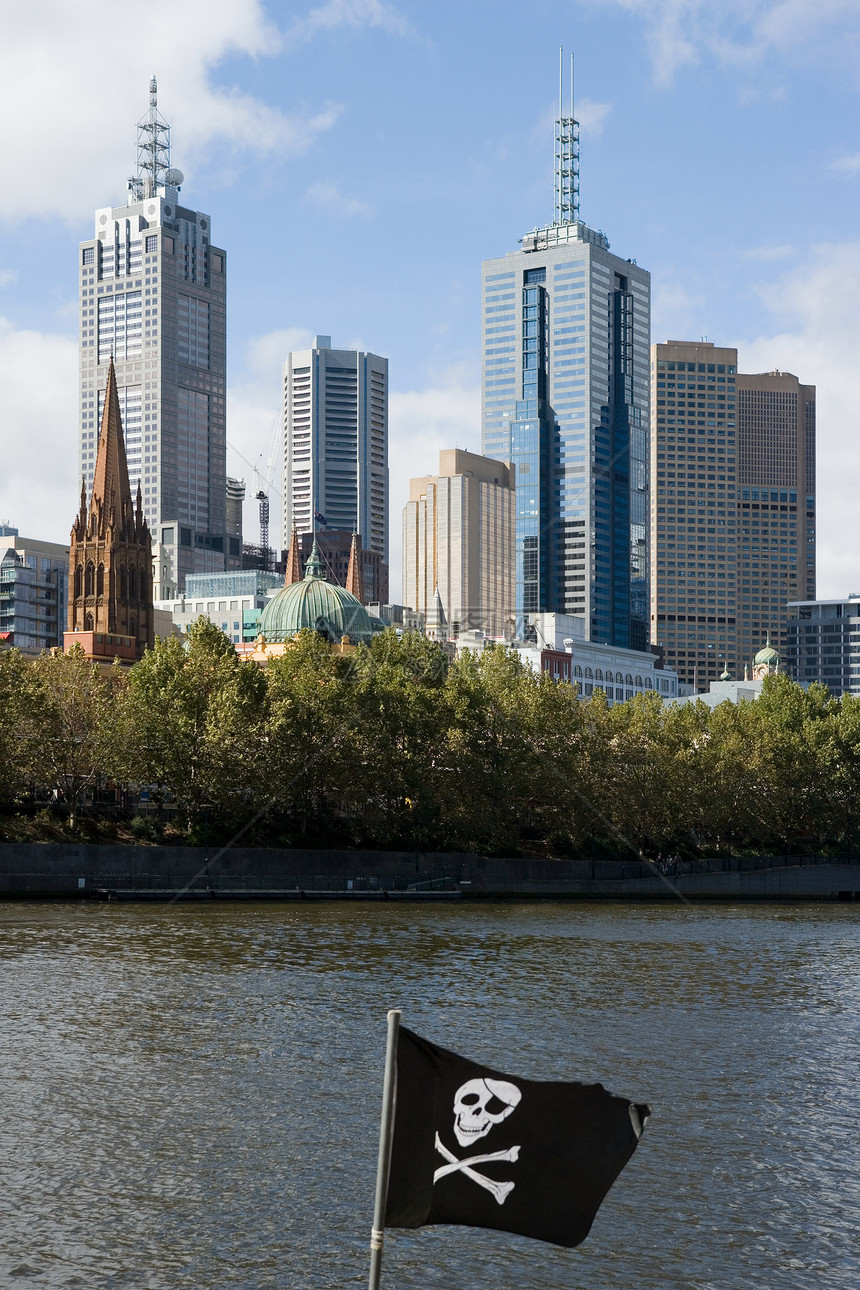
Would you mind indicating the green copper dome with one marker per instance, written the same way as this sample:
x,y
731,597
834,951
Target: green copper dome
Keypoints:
x,y
322,606
767,655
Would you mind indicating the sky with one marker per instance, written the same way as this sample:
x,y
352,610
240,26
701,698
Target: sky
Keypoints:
x,y
359,158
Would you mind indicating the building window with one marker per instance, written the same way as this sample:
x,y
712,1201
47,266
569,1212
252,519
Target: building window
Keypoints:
x,y
88,256
152,243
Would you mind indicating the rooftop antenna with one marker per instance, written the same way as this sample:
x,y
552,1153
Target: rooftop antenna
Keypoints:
x,y
566,154
153,152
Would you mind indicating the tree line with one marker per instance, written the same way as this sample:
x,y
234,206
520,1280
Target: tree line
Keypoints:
x,y
395,747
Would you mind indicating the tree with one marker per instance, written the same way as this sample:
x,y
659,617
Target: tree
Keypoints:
x,y
16,703
66,727
191,723
310,748
401,768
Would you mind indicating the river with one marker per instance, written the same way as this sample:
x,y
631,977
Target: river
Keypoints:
x,y
191,1094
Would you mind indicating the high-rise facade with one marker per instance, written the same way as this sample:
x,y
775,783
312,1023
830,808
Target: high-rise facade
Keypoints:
x,y
153,296
33,577
824,643
733,516
335,467
458,543
566,335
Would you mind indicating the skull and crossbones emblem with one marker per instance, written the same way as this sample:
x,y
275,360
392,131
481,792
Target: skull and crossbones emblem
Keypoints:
x,y
479,1105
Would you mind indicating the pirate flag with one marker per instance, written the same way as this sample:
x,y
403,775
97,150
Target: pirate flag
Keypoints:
x,y
475,1147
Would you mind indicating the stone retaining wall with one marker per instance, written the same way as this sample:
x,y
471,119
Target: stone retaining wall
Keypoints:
x,y
42,869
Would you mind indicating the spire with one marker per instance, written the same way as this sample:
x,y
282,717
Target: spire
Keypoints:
x,y
111,489
566,154
153,153
353,573
293,573
436,623
313,568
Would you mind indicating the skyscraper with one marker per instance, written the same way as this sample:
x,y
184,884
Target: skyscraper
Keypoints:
x,y
566,332
733,520
458,542
336,443
153,296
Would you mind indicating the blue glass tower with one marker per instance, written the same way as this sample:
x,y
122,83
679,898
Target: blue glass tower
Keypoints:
x,y
566,396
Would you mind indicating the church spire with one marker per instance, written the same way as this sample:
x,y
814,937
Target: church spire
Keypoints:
x,y
293,573
110,554
353,574
111,490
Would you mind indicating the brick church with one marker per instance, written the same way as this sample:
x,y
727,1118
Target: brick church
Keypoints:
x,y
110,555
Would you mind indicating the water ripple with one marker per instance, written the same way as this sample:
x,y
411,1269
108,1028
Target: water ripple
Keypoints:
x,y
191,1095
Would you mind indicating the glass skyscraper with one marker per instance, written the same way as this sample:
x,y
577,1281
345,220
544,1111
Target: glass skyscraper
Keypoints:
x,y
153,295
566,333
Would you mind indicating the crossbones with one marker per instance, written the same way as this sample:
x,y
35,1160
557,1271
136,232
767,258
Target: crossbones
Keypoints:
x,y
499,1190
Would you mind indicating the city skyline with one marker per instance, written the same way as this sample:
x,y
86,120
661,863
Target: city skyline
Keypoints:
x,y
726,250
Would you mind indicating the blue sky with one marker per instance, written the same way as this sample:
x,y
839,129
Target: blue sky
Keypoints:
x,y
359,158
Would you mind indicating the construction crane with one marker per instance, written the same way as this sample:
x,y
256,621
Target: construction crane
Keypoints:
x,y
264,482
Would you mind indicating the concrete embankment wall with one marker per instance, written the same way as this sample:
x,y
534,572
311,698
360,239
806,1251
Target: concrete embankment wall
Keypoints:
x,y
41,869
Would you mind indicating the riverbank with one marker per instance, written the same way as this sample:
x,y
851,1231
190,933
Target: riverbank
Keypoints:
x,y
245,873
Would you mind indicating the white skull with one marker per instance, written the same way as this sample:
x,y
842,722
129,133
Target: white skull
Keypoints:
x,y
481,1103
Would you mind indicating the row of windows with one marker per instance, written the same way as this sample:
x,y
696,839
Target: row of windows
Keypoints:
x,y
696,367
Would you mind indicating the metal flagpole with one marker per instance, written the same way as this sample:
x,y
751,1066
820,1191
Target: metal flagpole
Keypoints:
x,y
386,1134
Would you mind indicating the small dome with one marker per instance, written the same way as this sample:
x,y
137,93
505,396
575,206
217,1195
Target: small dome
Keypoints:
x,y
767,655
322,606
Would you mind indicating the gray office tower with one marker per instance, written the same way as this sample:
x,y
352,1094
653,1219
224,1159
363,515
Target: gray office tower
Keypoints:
x,y
152,294
335,466
566,333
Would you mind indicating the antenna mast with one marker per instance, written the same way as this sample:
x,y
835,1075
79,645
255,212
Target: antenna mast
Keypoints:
x,y
566,154
153,150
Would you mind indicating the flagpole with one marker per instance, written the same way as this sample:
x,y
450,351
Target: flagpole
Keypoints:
x,y
386,1134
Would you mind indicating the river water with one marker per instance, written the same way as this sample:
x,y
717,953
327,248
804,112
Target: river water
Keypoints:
x,y
191,1094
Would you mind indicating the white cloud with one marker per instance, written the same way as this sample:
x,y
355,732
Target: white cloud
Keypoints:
x,y
676,310
814,308
848,165
7,277
79,85
742,33
39,489
327,196
348,13
769,252
446,414
591,116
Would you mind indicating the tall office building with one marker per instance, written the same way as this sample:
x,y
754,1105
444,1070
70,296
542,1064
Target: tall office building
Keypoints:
x,y
733,520
335,467
566,331
458,542
153,296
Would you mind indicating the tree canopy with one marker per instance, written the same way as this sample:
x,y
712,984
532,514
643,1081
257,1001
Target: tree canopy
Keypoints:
x,y
393,746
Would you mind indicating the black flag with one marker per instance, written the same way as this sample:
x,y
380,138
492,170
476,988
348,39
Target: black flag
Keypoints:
x,y
475,1147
